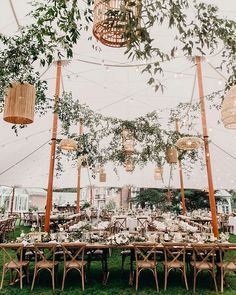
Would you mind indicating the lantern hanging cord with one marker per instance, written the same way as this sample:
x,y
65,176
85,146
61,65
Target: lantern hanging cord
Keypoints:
x,y
24,158
218,72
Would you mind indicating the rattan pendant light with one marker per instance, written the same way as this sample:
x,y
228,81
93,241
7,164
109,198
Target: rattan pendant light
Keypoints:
x,y
171,155
189,143
19,103
158,172
68,144
110,19
102,175
228,110
129,165
128,141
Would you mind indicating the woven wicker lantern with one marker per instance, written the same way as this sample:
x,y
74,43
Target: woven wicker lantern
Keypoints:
x,y
129,165
158,172
228,110
189,143
171,155
68,144
19,103
102,175
129,146
108,28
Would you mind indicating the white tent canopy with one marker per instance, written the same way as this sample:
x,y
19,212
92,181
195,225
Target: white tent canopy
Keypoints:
x,y
120,92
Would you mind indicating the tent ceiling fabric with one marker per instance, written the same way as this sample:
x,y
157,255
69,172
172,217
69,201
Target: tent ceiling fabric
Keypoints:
x,y
115,91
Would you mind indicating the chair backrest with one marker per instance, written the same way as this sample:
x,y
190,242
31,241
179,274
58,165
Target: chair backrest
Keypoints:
x,y
145,251
227,253
121,223
174,252
204,254
142,222
45,252
14,257
73,252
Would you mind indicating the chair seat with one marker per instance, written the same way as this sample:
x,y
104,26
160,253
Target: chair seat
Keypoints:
x,y
202,266
227,265
12,264
146,264
75,264
46,264
174,264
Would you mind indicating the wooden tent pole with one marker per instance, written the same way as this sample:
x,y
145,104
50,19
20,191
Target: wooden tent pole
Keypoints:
x,y
91,195
53,150
206,145
181,176
79,171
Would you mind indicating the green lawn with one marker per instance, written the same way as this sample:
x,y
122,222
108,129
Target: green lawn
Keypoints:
x,y
118,282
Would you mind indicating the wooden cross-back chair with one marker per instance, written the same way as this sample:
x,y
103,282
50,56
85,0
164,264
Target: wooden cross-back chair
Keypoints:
x,y
227,262
45,259
175,254
204,260
13,261
74,259
142,222
3,224
145,258
28,218
120,224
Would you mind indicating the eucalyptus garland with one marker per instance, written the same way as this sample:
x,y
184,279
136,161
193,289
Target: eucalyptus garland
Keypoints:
x,y
102,141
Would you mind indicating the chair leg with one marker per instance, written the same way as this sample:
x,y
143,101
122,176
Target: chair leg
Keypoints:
x,y
35,273
82,275
185,278
21,279
156,281
222,281
166,276
63,279
214,279
137,275
53,279
3,275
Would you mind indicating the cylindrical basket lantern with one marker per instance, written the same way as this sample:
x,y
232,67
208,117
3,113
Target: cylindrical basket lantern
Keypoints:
x,y
102,175
158,172
171,155
19,103
189,143
68,144
129,146
129,165
110,18
228,110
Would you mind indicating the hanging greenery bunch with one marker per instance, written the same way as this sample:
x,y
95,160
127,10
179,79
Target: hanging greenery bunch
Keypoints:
x,y
56,28
102,140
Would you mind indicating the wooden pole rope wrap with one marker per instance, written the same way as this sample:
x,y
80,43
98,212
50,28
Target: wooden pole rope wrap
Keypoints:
x,y
19,103
108,27
228,110
171,155
189,143
68,144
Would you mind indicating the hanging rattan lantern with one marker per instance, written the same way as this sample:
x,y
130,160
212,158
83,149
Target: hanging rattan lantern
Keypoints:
x,y
228,110
129,146
68,144
158,172
19,103
129,165
171,155
189,143
102,175
110,19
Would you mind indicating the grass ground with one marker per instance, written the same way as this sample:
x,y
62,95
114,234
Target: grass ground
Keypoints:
x,y
117,282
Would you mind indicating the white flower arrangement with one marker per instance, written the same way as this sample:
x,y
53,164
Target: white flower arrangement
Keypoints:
x,y
119,239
